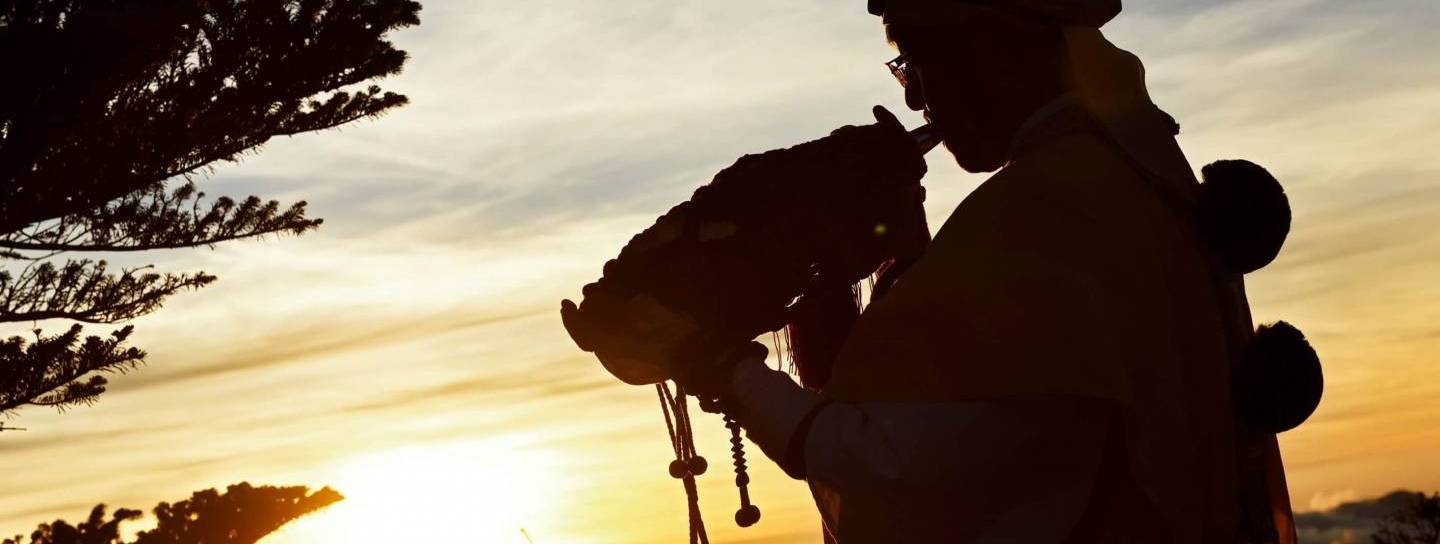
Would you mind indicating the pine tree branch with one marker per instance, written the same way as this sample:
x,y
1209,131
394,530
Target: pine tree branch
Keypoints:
x,y
59,370
84,291
342,108
158,218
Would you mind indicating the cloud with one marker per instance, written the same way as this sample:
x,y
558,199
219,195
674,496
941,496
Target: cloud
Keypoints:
x,y
552,385
95,437
297,344
1328,501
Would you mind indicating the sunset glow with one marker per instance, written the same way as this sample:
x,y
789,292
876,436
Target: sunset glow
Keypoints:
x,y
409,353
478,491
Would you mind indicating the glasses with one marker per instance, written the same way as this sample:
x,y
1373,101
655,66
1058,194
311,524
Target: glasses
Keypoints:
x,y
901,69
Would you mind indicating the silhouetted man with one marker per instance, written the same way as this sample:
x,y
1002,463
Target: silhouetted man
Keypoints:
x,y
1054,368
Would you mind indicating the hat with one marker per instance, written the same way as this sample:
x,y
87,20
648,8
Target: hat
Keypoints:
x,y
1088,13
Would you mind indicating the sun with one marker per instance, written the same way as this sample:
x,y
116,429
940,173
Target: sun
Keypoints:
x,y
477,491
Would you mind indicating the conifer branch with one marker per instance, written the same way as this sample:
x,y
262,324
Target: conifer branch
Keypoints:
x,y
60,370
341,108
84,291
158,218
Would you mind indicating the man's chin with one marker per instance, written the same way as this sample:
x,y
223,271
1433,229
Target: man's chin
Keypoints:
x,y
973,160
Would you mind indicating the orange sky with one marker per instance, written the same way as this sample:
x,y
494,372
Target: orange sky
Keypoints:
x,y
410,352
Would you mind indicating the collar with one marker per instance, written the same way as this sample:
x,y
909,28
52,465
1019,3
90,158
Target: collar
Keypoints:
x,y
1059,116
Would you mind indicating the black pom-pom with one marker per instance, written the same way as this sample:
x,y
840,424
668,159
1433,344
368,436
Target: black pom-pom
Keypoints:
x,y
1279,383
747,515
678,469
698,465
1244,214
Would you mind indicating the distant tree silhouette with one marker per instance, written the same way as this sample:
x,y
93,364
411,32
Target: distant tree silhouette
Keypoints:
x,y
110,110
1417,521
242,514
94,530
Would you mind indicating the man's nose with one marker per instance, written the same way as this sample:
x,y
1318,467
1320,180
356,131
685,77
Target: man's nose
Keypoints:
x,y
915,96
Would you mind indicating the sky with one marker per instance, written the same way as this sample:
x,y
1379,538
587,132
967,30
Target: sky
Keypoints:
x,y
410,352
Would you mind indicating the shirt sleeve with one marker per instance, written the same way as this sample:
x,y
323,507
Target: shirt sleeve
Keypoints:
x,y
771,407
1051,444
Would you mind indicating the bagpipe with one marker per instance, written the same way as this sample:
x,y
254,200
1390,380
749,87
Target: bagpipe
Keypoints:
x,y
752,248
777,240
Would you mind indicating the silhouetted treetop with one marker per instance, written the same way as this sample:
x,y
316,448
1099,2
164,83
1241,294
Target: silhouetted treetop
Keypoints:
x,y
243,514
94,530
1415,521
99,80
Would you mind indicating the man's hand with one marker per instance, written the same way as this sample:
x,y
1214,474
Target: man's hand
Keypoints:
x,y
708,376
634,337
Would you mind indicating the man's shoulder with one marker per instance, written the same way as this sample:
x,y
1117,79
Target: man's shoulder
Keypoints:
x,y
1075,194
1076,163
1081,175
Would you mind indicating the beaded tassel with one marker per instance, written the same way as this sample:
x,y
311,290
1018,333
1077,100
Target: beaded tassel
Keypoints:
x,y
748,513
688,464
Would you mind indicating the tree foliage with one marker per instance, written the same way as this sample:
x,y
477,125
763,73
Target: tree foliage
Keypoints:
x,y
117,95
59,370
242,514
1416,521
108,118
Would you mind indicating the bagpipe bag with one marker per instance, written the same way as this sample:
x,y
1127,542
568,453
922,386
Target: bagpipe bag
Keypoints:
x,y
740,257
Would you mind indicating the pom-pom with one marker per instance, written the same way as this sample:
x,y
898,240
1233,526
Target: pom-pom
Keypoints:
x,y
1244,214
1279,383
698,465
747,515
679,469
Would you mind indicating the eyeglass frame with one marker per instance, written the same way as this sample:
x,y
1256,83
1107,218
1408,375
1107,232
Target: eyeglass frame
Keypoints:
x,y
901,69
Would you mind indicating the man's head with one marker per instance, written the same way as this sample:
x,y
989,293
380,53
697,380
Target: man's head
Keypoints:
x,y
978,71
978,83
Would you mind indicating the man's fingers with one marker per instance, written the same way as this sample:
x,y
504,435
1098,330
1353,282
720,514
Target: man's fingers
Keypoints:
x,y
884,117
580,330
